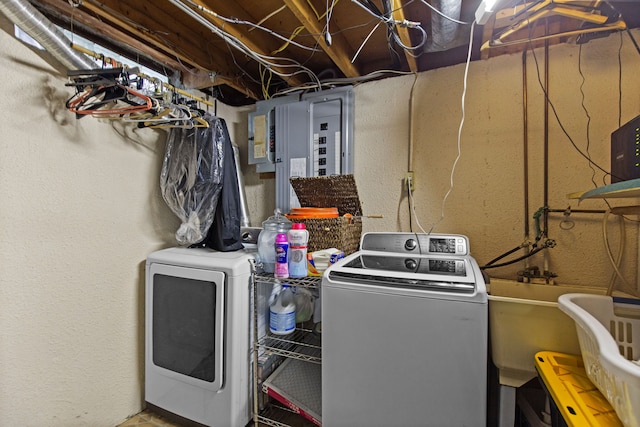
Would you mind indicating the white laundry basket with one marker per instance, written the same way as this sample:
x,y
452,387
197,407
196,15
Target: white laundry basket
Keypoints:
x,y
609,334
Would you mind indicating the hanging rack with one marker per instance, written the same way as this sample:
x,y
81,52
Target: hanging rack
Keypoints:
x,y
105,93
142,75
596,17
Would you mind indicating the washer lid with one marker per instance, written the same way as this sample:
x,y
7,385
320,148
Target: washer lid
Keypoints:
x,y
443,273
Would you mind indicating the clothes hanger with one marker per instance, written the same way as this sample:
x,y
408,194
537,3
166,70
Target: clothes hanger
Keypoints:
x,y
103,101
99,90
174,116
598,16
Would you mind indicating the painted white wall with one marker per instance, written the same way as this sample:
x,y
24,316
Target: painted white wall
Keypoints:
x,y
487,202
80,208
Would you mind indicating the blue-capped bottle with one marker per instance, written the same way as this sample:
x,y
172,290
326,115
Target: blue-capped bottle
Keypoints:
x,y
282,313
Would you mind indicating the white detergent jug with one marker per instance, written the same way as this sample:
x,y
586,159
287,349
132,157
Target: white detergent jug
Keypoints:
x,y
282,313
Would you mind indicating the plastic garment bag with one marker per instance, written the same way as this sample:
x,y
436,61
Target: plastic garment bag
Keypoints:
x,y
192,177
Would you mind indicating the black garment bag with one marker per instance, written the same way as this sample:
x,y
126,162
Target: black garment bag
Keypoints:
x,y
224,234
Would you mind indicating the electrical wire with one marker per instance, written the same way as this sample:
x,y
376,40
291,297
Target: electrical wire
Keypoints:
x,y
391,24
412,204
271,62
272,14
410,201
586,112
340,81
286,44
365,41
422,42
620,82
251,24
455,163
564,130
553,108
614,263
234,41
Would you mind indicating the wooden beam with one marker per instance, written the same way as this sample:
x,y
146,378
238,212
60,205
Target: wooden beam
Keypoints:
x,y
233,31
339,49
148,46
403,33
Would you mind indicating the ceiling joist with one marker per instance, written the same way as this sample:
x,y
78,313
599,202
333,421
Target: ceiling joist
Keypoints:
x,y
339,49
104,21
245,50
403,33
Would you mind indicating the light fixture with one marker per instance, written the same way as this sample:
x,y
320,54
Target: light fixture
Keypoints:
x,y
485,10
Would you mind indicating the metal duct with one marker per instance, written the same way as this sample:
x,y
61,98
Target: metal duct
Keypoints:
x,y
244,209
34,23
444,32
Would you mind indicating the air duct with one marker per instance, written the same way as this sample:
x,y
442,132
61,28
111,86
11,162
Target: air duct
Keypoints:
x,y
244,209
444,31
34,23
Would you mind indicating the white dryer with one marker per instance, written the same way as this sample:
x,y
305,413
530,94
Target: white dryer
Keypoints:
x,y
197,337
404,334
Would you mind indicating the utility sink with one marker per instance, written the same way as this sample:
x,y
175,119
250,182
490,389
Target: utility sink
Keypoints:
x,y
524,319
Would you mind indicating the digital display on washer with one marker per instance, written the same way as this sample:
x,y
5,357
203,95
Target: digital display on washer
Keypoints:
x,y
442,245
450,267
447,266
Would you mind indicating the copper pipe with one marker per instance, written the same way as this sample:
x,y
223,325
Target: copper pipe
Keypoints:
x,y
546,127
572,211
545,215
525,149
525,144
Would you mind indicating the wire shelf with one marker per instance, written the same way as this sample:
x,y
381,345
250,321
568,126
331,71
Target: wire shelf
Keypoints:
x,y
303,282
302,344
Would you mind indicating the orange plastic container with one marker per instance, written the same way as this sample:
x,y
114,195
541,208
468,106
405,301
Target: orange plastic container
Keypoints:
x,y
306,213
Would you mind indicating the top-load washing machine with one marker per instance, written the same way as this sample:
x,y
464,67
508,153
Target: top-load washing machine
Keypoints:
x,y
404,334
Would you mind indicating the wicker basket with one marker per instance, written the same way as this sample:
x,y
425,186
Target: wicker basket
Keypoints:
x,y
338,191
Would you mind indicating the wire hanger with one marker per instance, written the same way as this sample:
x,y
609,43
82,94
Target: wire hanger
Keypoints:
x,y
111,92
108,100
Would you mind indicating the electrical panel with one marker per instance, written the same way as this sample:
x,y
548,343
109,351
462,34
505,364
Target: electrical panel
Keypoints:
x,y
262,137
306,136
321,144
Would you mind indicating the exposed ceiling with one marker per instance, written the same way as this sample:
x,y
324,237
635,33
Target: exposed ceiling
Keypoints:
x,y
245,50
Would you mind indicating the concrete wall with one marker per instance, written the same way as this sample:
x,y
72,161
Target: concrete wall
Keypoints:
x,y
486,201
80,209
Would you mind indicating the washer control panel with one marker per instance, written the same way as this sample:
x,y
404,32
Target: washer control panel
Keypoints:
x,y
416,243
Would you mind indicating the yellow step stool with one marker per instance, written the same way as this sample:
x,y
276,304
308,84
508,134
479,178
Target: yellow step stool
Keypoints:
x,y
576,398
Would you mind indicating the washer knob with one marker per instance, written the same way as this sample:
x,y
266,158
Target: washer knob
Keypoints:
x,y
410,244
410,264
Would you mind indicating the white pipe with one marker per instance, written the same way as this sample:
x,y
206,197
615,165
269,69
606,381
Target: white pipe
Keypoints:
x,y
34,23
244,209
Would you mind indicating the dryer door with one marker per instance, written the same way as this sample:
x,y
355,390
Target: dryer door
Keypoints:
x,y
185,329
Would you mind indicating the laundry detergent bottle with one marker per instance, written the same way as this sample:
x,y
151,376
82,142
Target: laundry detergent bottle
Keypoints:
x,y
298,238
282,312
282,257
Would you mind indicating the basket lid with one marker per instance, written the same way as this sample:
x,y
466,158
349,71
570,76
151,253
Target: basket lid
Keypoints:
x,y
338,191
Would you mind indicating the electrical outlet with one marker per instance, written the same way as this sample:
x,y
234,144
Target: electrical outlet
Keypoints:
x,y
409,181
